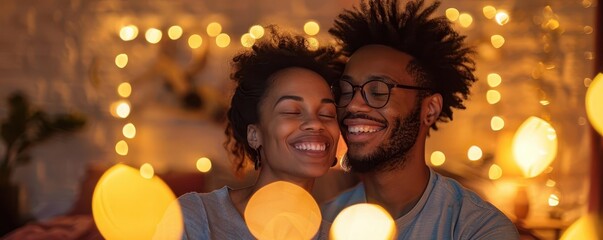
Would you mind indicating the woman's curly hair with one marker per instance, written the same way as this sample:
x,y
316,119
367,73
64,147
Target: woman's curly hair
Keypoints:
x,y
441,61
253,71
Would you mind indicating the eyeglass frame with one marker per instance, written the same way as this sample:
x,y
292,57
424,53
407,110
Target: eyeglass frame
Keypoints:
x,y
361,88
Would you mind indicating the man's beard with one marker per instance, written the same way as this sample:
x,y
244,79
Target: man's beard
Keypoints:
x,y
390,154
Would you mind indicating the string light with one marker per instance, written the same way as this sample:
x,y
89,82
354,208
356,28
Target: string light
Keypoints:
x,y
465,19
256,31
247,40
489,12
213,29
175,32
452,14
128,33
153,35
121,60
437,158
311,28
222,40
195,41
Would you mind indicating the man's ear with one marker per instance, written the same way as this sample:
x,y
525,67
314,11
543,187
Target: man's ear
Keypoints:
x,y
254,137
432,106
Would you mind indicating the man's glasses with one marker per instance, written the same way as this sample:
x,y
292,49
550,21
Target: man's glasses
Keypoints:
x,y
375,92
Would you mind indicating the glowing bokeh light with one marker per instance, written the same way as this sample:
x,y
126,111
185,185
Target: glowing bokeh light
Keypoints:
x,y
552,24
493,96
282,210
550,183
147,171
123,109
494,79
594,101
497,41
311,28
437,158
247,40
121,148
128,33
313,44
465,19
213,29
586,227
120,109
489,12
497,123
128,206
129,130
363,221
495,172
502,18
121,60
452,14
175,32
222,40
153,35
534,146
124,89
553,200
203,164
256,31
195,41
474,153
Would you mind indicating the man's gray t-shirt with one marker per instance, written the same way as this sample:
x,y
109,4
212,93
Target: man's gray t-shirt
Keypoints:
x,y
446,210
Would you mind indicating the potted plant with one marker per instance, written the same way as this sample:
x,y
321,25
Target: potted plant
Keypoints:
x,y
23,128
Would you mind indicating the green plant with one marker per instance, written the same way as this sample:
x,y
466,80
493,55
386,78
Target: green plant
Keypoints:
x,y
26,127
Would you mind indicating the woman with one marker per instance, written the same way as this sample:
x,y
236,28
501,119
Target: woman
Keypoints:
x,y
282,118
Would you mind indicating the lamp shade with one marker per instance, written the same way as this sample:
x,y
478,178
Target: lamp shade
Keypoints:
x,y
534,146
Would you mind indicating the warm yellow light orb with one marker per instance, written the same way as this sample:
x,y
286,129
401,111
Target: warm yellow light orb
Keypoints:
x,y
586,227
121,148
123,109
128,33
222,40
247,40
195,41
363,221
594,103
552,24
124,89
534,146
213,29
452,14
437,158
497,123
120,109
282,210
256,31
502,18
465,19
147,171
203,164
493,96
497,41
313,44
550,183
175,32
129,130
121,60
153,35
553,200
474,153
494,79
489,12
128,206
311,28
495,172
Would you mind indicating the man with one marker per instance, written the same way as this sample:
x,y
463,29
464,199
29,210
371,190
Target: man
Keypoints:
x,y
405,73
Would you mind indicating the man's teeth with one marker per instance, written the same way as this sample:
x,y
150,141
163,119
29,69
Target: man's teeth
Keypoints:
x,y
311,146
363,129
